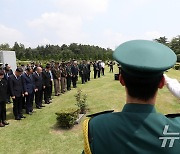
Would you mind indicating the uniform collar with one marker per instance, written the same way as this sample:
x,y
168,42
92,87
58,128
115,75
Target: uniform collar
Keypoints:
x,y
139,108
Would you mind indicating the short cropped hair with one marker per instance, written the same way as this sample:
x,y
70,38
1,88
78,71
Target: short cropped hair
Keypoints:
x,y
48,66
28,69
19,69
142,88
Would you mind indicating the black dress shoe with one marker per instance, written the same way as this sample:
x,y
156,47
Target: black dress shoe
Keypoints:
x,y
22,116
17,118
5,123
42,106
38,107
30,113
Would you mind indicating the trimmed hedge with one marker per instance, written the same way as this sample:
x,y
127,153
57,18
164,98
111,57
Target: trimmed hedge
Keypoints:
x,y
67,118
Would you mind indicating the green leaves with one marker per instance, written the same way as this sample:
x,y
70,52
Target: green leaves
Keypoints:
x,y
67,118
81,101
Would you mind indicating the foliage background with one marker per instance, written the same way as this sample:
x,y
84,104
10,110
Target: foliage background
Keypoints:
x,y
56,52
76,51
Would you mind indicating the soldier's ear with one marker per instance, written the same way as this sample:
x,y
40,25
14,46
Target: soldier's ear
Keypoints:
x,y
121,80
162,83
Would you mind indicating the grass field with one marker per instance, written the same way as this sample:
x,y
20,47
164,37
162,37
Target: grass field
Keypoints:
x,y
38,134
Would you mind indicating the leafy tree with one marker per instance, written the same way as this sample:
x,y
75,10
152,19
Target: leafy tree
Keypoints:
x,y
162,40
175,44
5,46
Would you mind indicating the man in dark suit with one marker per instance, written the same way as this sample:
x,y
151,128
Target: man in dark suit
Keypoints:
x,y
17,92
3,97
47,84
89,71
38,81
7,73
29,87
74,70
95,66
99,69
69,76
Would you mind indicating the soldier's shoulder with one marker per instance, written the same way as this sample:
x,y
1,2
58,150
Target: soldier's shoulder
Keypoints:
x,y
99,113
173,115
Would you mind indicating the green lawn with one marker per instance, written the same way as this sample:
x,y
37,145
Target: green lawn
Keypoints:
x,y
38,134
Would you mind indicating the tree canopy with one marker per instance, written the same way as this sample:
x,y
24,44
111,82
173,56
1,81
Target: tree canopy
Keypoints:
x,y
56,52
174,44
77,51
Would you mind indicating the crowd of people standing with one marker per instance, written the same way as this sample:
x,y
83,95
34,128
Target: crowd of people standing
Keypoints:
x,y
33,83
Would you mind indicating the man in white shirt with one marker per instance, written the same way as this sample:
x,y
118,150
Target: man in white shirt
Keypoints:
x,y
102,65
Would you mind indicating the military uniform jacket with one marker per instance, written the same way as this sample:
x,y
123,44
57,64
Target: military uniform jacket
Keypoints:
x,y
80,69
56,73
84,69
3,90
138,129
63,72
68,70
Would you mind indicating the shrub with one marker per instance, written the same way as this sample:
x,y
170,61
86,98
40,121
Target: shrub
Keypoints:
x,y
81,101
67,118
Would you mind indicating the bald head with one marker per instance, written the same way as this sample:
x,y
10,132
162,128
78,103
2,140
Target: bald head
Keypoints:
x,y
39,70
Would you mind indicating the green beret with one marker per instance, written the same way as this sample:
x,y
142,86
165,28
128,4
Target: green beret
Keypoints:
x,y
143,57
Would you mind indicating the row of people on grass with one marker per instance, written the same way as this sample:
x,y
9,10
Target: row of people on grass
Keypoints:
x,y
33,83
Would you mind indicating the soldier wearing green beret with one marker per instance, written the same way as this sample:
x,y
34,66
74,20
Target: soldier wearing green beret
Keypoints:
x,y
138,128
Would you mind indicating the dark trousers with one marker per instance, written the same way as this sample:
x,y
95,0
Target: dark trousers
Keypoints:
x,y
47,94
23,103
99,73
2,111
95,74
102,71
89,75
50,90
68,82
38,97
8,98
17,106
86,77
29,102
111,69
74,81
83,78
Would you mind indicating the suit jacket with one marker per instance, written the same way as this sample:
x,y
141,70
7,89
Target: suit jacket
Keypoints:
x,y
6,77
74,70
38,81
3,90
28,83
137,129
16,86
46,79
